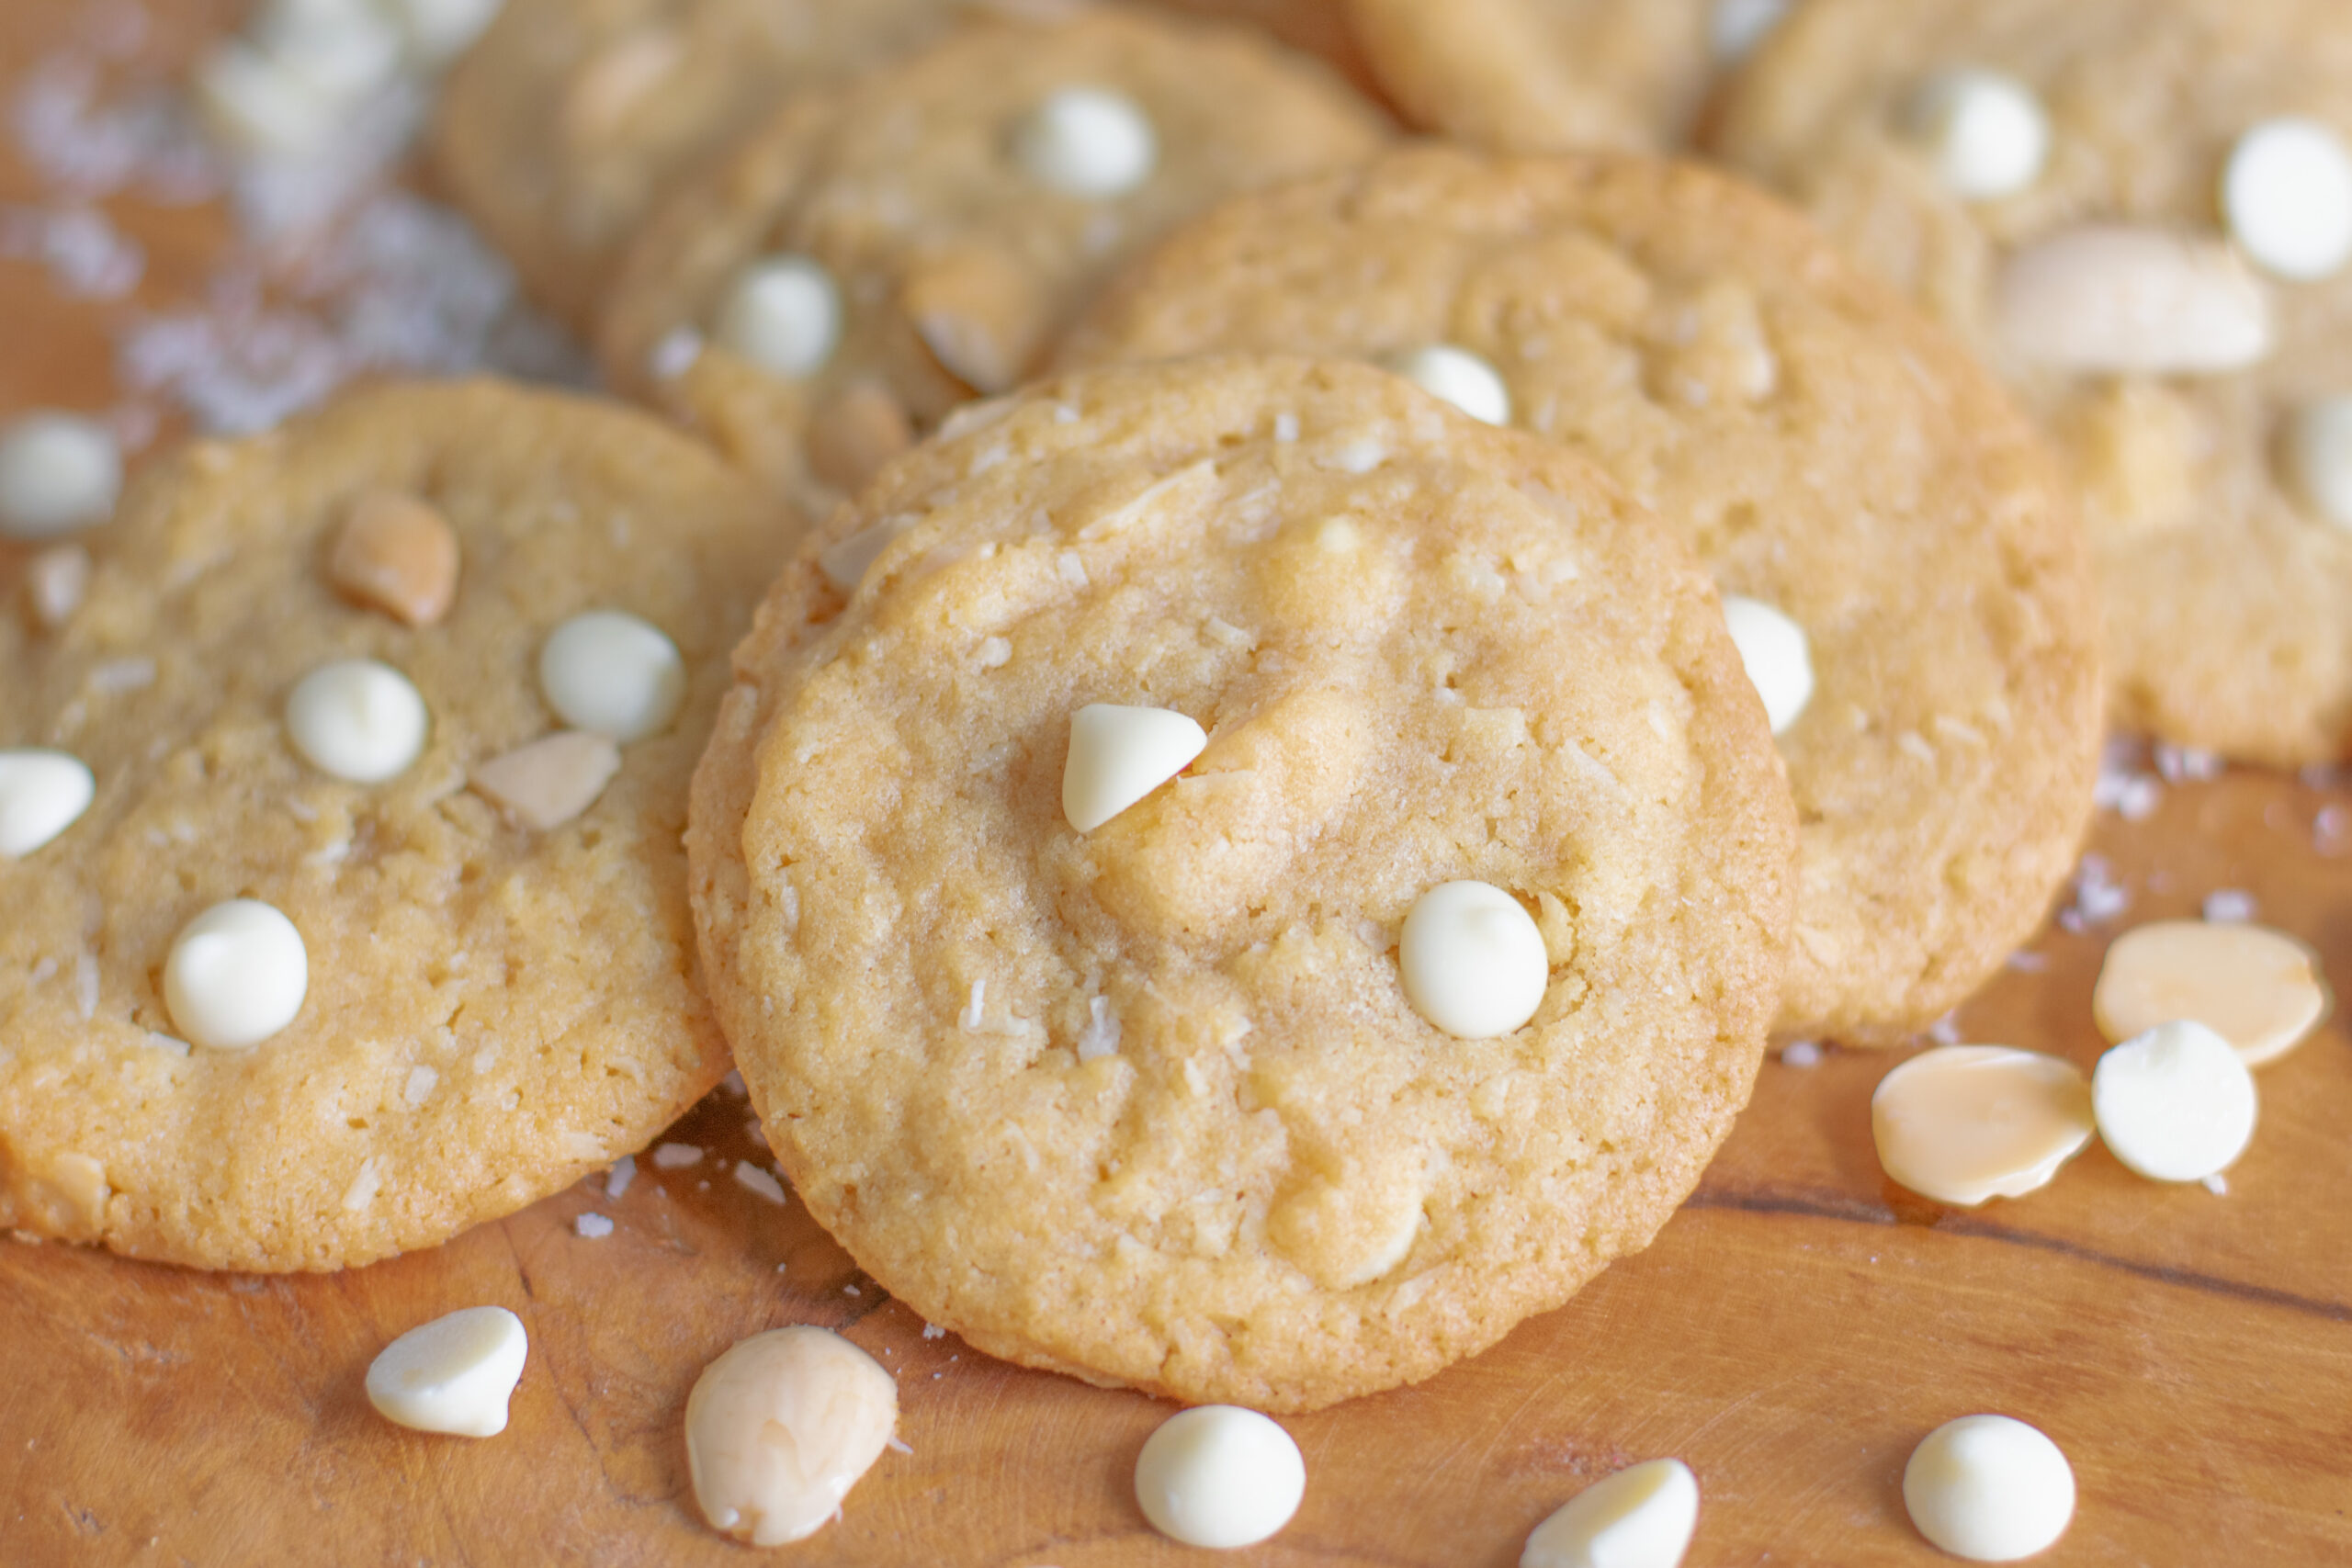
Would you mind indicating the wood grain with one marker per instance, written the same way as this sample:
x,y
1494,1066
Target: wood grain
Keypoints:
x,y
1792,1334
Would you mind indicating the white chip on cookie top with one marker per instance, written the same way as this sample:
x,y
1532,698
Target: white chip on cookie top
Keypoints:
x,y
2287,196
1985,132
1473,961
1989,1488
784,314
1120,754
1642,1516
454,1375
609,671
1088,141
41,794
1965,1123
1458,376
1777,656
1219,1476
2175,1103
237,974
2315,450
58,473
358,720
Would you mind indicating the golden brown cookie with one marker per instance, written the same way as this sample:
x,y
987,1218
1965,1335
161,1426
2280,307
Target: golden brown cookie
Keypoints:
x,y
490,984
559,130
945,218
1550,75
1149,1103
2054,182
1824,451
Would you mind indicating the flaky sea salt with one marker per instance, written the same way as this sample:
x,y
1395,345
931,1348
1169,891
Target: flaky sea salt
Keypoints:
x,y
592,1226
2097,898
2228,906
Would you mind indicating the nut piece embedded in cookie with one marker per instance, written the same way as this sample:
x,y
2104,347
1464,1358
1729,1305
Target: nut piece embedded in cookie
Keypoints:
x,y
1219,1476
1118,755
1642,1516
550,781
1989,1488
453,1375
236,975
398,554
2257,989
1965,1123
780,1428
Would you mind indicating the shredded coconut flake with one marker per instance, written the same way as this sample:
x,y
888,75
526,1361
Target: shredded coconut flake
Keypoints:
x,y
675,1157
421,1081
116,675
1101,1036
973,1011
361,1193
618,1176
765,1183
85,984
167,1045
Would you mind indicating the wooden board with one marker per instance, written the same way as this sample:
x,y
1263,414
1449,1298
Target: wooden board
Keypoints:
x,y
1791,1334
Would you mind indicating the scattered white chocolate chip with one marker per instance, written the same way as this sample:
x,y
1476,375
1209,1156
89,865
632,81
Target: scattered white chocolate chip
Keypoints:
x,y
1989,1488
1740,25
1778,658
1219,1476
2287,196
58,473
780,1428
1472,961
358,719
2316,451
784,314
1642,1516
2110,299
1964,1123
2175,1103
236,975
396,554
263,107
608,671
550,781
1118,755
1087,141
1986,130
2259,989
42,795
57,580
1458,376
454,1374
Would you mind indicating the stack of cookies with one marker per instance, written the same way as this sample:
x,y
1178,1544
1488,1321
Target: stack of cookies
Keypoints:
x,y
1302,704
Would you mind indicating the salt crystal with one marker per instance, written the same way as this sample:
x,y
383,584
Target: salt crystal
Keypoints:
x,y
1800,1054
2228,906
2218,1185
2186,764
933,1331
2097,898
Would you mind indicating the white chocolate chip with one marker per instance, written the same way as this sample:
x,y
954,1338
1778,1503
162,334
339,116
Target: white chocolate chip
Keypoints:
x,y
1087,141
1964,1123
608,671
550,781
1458,376
1989,1489
784,314
780,1428
263,107
1778,658
2287,196
438,31
1984,130
58,473
1642,1516
57,580
42,795
2257,989
2108,299
1219,1476
398,554
2175,1103
454,1374
357,720
1472,961
1118,755
2316,452
1740,25
236,975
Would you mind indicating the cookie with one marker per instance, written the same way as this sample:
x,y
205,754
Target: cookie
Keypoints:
x,y
1829,456
258,1014
2151,252
864,265
564,124
1149,1103
1550,75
